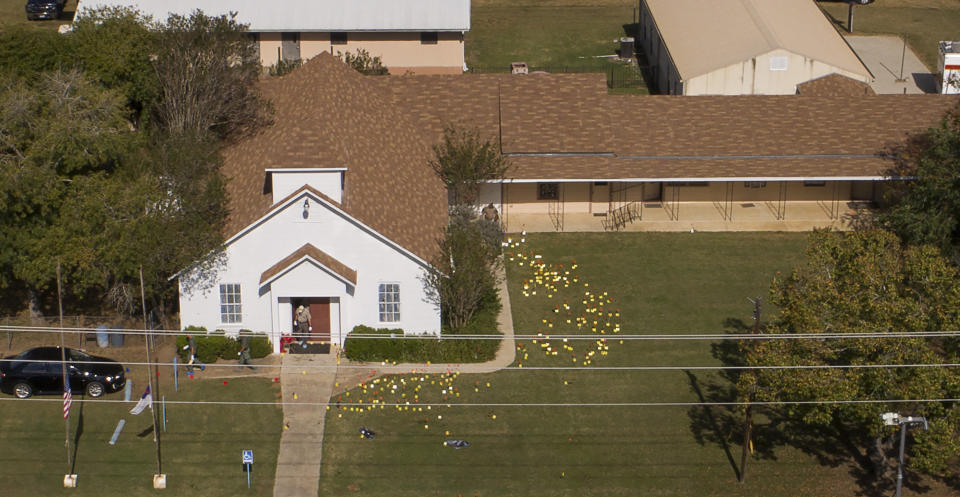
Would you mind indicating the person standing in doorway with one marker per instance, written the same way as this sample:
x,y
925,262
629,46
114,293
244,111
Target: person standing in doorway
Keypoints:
x,y
303,324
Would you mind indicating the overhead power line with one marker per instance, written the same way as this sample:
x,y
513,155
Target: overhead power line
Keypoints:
x,y
539,336
454,368
499,404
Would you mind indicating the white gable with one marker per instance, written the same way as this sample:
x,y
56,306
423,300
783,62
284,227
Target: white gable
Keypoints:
x,y
329,182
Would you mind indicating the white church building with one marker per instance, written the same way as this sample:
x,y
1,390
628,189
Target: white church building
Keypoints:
x,y
334,207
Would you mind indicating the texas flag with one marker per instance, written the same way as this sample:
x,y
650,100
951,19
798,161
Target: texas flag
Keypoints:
x,y
145,400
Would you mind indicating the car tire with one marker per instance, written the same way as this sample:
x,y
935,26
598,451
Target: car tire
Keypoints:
x,y
95,389
22,390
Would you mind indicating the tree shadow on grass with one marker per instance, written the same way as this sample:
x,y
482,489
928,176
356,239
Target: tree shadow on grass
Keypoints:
x,y
774,427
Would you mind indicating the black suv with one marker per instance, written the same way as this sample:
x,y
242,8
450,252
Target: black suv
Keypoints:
x,y
44,9
39,370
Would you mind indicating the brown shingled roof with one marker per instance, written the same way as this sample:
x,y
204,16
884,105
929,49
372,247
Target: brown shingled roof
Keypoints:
x,y
834,85
328,115
740,136
316,254
381,129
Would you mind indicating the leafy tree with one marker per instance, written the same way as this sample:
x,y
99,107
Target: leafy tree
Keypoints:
x,y
856,283
461,277
114,46
464,161
51,135
926,210
207,70
364,63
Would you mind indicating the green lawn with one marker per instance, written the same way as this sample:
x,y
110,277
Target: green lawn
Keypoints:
x,y
925,22
554,36
201,447
661,283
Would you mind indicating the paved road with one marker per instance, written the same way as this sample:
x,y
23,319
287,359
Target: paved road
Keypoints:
x,y
882,55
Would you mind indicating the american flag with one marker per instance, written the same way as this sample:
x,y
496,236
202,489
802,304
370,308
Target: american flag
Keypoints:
x,y
67,400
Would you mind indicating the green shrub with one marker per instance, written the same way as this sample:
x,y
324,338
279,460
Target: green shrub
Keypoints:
x,y
216,345
422,350
284,67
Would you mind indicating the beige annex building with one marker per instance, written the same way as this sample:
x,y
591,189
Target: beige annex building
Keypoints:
x,y
416,36
742,47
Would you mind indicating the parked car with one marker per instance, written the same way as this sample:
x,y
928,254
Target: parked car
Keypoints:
x,y
44,9
39,370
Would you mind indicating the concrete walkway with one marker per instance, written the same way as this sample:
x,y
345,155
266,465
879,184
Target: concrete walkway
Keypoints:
x,y
301,446
298,463
883,55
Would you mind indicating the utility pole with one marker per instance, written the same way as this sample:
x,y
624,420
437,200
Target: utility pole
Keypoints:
x,y
147,338
850,16
748,410
895,419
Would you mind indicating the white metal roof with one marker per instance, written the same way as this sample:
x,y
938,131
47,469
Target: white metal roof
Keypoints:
x,y
703,36
314,15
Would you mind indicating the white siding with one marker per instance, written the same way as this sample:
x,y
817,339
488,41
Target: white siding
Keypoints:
x,y
328,183
315,15
267,307
754,76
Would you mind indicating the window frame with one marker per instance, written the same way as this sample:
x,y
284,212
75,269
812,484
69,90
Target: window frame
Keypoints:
x,y
388,311
429,37
231,312
339,38
814,184
544,191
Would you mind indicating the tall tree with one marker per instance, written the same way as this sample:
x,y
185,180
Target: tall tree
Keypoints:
x,y
855,283
52,133
926,209
464,161
207,69
461,276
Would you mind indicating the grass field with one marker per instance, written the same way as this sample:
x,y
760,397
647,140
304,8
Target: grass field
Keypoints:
x,y
925,22
661,283
554,36
201,448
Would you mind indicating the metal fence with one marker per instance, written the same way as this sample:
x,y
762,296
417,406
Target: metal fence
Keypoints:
x,y
618,75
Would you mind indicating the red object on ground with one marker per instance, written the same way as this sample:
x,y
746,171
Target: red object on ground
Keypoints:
x,y
275,379
224,382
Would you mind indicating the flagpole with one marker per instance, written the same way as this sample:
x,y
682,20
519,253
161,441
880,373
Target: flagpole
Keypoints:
x,y
63,370
150,373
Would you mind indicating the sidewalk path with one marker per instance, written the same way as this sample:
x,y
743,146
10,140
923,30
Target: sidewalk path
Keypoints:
x,y
348,377
301,446
298,463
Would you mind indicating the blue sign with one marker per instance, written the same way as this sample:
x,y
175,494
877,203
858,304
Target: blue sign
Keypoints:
x,y
248,457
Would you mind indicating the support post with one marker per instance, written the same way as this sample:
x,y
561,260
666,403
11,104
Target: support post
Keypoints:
x,y
903,439
850,16
63,370
150,379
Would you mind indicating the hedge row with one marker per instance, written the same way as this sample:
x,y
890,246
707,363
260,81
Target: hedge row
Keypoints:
x,y
213,346
421,350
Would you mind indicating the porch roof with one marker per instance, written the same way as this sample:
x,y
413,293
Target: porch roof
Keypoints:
x,y
318,256
528,168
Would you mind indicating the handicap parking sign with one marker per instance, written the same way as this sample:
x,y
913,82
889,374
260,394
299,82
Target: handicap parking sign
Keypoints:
x,y
248,457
